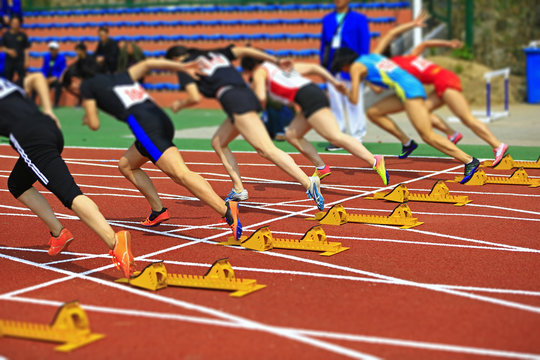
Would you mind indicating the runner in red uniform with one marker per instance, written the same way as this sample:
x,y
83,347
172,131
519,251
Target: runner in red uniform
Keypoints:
x,y
447,90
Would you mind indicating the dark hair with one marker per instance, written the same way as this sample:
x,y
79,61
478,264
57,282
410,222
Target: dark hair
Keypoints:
x,y
103,28
249,63
82,68
387,52
176,51
342,57
80,46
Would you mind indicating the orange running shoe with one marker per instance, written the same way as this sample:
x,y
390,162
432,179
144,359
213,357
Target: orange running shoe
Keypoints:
x,y
121,255
155,218
60,242
231,218
323,173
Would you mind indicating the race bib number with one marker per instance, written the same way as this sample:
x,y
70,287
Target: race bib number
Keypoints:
x,y
7,87
386,65
421,64
208,66
131,95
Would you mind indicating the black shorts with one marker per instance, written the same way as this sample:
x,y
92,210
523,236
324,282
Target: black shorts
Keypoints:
x,y
152,128
311,99
238,101
39,147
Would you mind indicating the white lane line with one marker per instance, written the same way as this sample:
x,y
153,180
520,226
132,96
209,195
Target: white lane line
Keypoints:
x,y
423,345
255,325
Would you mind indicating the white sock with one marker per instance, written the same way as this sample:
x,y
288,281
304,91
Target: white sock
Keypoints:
x,y
375,163
408,143
321,167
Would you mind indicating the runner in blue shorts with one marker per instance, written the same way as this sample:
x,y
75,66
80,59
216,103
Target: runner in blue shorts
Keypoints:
x,y
381,72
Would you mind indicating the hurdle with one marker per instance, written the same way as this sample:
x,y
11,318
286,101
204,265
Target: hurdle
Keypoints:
x,y
489,115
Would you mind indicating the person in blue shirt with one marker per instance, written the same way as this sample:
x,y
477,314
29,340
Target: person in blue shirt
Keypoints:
x,y
53,66
345,28
10,9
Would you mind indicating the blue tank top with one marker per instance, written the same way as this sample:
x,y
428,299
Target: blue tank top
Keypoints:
x,y
379,69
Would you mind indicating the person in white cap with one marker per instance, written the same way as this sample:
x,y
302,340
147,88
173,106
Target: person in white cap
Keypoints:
x,y
54,64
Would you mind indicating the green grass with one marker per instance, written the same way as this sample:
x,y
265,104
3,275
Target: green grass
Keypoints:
x,y
116,134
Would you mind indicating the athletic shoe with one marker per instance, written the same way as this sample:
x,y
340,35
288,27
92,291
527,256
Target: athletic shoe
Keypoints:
x,y
455,138
322,173
470,169
121,254
381,169
331,147
499,153
156,217
60,242
314,191
237,196
231,218
407,150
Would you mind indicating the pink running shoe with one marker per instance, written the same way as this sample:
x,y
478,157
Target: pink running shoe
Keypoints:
x,y
60,242
499,153
323,173
455,138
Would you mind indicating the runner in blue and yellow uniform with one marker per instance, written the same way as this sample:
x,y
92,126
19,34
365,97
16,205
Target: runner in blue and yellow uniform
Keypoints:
x,y
381,72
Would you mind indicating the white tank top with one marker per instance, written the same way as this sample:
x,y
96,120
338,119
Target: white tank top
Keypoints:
x,y
283,85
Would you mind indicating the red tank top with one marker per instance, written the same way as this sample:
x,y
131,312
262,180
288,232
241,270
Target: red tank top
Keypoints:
x,y
282,85
422,69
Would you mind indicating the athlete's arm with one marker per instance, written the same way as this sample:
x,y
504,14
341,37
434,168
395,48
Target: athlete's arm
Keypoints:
x,y
376,89
90,117
259,85
454,44
142,68
194,97
37,82
316,69
357,73
385,41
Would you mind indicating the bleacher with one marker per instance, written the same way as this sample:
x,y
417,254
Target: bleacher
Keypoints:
x,y
284,30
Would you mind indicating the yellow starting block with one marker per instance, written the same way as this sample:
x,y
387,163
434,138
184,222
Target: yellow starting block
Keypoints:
x,y
400,216
70,327
508,163
313,240
439,193
219,277
519,177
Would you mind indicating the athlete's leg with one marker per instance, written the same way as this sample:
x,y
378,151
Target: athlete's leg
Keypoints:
x,y
460,107
130,166
434,102
378,115
324,123
172,164
252,129
295,136
89,213
220,142
419,116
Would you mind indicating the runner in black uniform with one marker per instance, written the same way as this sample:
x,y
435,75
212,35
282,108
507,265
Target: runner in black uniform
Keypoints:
x,y
221,80
121,96
37,138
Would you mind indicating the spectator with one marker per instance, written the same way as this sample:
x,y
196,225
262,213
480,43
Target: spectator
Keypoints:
x,y
130,54
54,65
345,28
16,44
107,52
11,9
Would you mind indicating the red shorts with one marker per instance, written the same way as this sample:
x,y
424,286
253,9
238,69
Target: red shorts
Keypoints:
x,y
445,79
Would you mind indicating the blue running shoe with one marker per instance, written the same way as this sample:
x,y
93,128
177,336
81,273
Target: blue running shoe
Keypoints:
x,y
314,191
231,218
470,169
407,150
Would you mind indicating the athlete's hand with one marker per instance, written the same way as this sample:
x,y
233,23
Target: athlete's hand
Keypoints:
x,y
85,120
286,64
176,106
341,87
456,44
420,20
193,69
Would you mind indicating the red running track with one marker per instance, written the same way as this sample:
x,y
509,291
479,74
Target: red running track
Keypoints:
x,y
465,284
